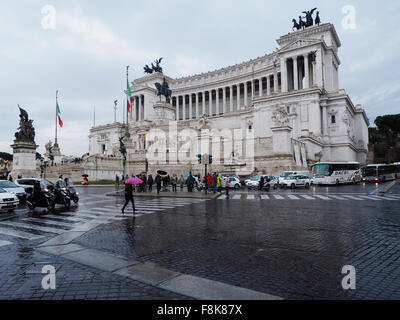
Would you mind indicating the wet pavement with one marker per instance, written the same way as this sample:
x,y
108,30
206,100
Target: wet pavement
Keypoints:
x,y
290,244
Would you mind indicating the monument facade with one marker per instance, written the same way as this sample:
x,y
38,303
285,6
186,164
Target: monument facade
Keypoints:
x,y
281,111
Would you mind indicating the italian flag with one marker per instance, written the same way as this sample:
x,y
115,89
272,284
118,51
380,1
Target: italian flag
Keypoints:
x,y
129,96
59,116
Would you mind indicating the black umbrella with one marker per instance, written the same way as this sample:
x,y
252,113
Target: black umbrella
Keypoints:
x,y
161,172
85,175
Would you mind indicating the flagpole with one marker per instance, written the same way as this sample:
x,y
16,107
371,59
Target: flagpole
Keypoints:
x,y
56,116
127,93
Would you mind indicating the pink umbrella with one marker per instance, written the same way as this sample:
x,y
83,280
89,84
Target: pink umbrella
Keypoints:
x,y
133,181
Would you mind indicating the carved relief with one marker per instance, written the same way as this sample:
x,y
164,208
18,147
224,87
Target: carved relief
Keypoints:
x,y
280,116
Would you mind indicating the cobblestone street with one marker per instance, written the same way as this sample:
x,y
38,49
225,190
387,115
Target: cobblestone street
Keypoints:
x,y
289,244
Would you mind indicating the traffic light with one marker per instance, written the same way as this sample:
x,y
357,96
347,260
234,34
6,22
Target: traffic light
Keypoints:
x,y
199,157
210,159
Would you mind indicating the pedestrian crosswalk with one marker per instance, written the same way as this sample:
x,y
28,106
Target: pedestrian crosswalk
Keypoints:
x,y
52,224
311,197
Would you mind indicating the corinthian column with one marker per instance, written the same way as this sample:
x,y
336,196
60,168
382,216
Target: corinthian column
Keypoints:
x,y
197,105
238,96
190,106
224,100
231,99
306,72
295,74
245,95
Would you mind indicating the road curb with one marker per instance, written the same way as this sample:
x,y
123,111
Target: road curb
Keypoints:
x,y
154,275
387,189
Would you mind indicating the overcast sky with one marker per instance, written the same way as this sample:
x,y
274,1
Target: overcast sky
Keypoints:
x,y
85,56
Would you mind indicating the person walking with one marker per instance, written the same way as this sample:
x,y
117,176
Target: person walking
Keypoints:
x,y
214,183
190,183
150,182
224,185
128,198
209,182
219,184
261,183
182,182
158,183
117,182
10,179
174,182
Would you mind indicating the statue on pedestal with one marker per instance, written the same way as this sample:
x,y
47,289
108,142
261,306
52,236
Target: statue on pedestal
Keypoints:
x,y
26,131
24,147
164,90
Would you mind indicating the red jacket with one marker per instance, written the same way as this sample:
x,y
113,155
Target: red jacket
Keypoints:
x,y
209,180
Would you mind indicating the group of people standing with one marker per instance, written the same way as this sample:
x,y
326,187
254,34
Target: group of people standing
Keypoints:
x,y
215,183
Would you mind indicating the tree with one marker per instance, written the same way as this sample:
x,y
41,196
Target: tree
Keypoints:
x,y
389,125
6,156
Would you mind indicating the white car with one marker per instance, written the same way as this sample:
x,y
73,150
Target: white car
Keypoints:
x,y
234,183
12,188
8,201
253,183
292,173
295,181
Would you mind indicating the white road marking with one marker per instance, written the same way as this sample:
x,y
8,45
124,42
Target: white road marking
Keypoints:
x,y
371,197
293,197
73,219
251,197
4,243
264,197
51,222
322,197
237,197
354,198
307,197
278,197
20,234
338,197
32,227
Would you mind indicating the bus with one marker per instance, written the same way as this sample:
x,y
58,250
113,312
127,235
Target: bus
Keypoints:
x,y
380,172
328,173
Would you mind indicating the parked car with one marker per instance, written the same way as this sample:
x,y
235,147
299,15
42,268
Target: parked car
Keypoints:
x,y
270,182
28,183
295,181
8,201
13,188
286,174
234,183
253,183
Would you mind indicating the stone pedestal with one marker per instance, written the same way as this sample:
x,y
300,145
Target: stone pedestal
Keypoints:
x,y
24,160
164,112
282,140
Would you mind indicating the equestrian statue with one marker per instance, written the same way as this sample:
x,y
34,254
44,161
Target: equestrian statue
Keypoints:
x,y
164,90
